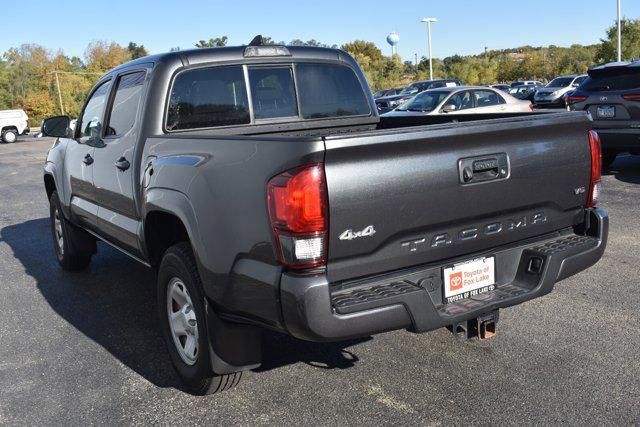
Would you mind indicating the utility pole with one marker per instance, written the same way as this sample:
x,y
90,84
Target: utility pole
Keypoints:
x,y
56,72
59,94
619,34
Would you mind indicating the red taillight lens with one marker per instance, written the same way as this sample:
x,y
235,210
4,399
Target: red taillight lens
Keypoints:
x,y
574,99
531,106
298,211
632,96
596,170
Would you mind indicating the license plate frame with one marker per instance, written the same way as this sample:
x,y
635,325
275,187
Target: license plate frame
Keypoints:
x,y
606,112
468,278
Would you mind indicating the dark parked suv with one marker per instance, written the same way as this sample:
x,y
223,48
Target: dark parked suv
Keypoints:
x,y
388,103
611,94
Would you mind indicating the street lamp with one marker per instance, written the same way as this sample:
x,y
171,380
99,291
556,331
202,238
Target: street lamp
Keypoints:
x,y
429,21
619,35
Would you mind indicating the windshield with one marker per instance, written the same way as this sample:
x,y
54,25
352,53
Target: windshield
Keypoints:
x,y
424,102
617,81
412,88
560,82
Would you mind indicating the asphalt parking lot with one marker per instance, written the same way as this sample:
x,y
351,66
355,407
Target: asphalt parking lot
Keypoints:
x,y
82,348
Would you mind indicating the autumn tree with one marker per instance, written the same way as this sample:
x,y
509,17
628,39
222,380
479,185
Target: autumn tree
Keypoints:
x,y
101,56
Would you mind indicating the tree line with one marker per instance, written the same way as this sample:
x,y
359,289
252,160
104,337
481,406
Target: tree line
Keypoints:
x,y
30,74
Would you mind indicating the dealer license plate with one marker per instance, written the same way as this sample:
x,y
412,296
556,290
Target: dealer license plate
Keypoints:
x,y
469,278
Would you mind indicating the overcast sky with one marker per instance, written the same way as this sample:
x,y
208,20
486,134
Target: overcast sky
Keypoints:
x,y
464,27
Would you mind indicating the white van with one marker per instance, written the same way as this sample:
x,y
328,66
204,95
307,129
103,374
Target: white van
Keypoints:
x,y
12,124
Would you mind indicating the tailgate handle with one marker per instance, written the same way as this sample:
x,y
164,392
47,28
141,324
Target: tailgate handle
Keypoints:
x,y
485,168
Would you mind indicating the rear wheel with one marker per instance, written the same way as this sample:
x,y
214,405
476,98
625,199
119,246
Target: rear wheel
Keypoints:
x,y
608,158
181,308
9,135
74,247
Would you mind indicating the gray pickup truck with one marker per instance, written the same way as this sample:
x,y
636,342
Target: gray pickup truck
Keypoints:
x,y
262,187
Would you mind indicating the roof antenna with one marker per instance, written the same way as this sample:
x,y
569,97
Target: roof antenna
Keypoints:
x,y
257,41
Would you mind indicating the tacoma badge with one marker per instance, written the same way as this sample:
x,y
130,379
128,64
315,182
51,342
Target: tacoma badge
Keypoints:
x,y
350,234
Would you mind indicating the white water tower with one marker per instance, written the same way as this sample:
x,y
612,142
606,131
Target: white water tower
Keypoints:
x,y
393,39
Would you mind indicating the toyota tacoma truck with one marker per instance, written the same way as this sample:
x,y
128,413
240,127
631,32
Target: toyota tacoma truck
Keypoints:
x,y
265,192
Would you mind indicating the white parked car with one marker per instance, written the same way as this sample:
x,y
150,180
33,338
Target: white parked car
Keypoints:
x,y
461,100
12,124
551,95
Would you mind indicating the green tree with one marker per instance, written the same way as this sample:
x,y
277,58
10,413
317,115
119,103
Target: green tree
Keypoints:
x,y
608,50
214,42
137,51
363,48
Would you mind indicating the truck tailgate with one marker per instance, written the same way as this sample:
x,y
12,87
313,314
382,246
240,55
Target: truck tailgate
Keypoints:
x,y
401,197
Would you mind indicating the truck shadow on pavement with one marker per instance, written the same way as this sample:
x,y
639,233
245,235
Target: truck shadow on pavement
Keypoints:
x,y
113,304
626,168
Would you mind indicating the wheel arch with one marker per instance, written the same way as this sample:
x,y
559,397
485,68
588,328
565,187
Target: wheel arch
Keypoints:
x,y
169,219
49,184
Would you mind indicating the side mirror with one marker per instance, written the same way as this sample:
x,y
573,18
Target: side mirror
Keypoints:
x,y
448,108
57,126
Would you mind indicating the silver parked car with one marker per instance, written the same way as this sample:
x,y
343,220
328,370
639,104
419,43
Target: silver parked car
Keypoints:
x,y
551,95
461,100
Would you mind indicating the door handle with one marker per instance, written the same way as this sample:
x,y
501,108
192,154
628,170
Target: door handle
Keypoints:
x,y
123,164
87,159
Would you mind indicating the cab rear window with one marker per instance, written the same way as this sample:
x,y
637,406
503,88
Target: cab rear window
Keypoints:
x,y
208,97
219,96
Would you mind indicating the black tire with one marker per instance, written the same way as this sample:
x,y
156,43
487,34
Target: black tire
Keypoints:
x,y
77,246
608,158
178,263
9,135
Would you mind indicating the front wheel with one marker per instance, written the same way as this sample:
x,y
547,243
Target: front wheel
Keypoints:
x,y
74,247
181,307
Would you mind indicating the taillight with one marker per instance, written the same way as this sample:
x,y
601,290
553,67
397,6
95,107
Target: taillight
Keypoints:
x,y
299,215
596,170
531,106
574,99
632,96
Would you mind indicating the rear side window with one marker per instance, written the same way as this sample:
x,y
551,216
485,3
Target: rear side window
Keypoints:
x,y
208,97
272,92
327,90
486,98
622,80
125,104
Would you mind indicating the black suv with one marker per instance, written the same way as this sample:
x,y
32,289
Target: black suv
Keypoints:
x,y
388,103
611,94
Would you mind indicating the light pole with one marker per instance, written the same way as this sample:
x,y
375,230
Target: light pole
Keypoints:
x,y
429,21
619,34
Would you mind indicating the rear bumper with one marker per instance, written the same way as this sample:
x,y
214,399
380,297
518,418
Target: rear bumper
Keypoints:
x,y
549,103
619,139
411,299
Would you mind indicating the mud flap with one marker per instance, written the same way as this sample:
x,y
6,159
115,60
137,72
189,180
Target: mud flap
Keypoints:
x,y
233,347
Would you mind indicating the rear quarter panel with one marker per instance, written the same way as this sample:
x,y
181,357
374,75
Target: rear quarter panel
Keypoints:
x,y
217,186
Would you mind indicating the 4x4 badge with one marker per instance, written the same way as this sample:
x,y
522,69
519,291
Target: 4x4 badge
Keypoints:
x,y
350,234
